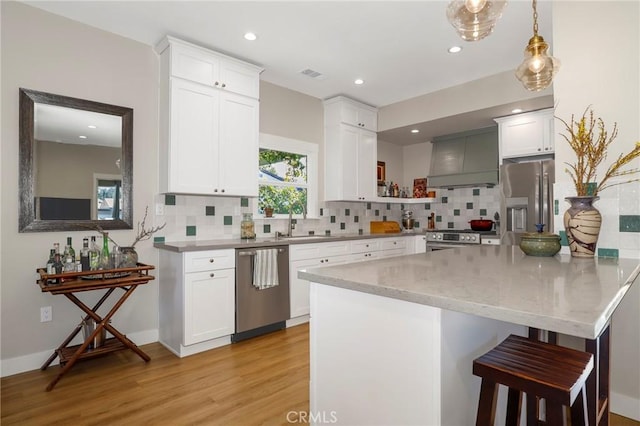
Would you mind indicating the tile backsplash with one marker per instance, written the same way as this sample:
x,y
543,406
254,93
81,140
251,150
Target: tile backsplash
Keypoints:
x,y
209,218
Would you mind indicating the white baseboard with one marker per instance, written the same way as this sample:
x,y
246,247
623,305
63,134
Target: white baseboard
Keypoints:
x,y
11,366
624,405
297,321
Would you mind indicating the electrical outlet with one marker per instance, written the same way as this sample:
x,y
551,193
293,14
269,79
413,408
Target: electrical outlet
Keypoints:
x,y
46,314
159,209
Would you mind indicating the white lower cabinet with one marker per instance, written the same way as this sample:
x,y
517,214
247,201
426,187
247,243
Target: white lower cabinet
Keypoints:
x,y
209,305
197,300
303,256
420,244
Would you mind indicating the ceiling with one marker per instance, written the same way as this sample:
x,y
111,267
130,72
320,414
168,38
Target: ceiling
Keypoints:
x,y
398,48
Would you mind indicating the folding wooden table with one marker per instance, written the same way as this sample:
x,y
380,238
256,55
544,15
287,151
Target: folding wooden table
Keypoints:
x,y
127,279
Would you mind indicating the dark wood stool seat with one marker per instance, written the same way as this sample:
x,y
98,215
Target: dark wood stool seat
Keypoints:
x,y
539,369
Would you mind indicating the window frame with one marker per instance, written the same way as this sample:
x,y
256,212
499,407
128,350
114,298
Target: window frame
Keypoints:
x,y
294,146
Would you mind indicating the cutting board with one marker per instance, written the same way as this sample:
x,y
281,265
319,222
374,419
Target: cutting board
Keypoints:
x,y
387,227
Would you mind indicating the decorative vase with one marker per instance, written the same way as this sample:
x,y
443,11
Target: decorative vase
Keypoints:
x,y
128,257
582,224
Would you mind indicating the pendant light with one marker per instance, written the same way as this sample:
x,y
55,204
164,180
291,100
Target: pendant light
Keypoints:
x,y
537,70
474,19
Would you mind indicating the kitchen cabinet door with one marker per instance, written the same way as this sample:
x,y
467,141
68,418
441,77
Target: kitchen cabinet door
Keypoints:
x,y
209,305
420,244
192,147
526,134
350,166
213,143
209,68
347,111
366,165
299,288
238,150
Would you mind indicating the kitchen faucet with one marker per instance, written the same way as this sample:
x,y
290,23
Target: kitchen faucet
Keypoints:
x,y
292,225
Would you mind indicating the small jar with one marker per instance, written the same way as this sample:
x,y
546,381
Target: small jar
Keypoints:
x,y
247,227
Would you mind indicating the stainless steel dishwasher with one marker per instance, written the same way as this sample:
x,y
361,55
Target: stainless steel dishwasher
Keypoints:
x,y
260,311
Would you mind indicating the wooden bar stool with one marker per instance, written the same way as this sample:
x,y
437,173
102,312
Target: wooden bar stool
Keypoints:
x,y
541,370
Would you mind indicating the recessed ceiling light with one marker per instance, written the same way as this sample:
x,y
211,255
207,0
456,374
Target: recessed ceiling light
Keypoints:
x,y
455,49
91,126
415,131
82,137
250,36
359,81
517,110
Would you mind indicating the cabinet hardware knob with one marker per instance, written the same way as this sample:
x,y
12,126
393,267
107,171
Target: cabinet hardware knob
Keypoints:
x,y
326,260
215,190
211,275
222,190
216,83
224,85
210,260
539,149
321,260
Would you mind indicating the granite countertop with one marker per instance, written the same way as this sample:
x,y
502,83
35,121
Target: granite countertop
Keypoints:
x,y
182,246
563,294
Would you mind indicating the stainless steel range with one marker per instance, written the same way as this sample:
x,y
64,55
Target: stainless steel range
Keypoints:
x,y
450,238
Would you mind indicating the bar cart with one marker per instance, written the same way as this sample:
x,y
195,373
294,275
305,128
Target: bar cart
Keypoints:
x,y
70,283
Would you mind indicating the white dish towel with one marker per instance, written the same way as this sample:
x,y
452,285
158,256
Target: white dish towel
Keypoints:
x,y
265,269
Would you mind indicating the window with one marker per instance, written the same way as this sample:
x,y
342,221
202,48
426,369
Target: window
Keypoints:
x,y
287,176
107,197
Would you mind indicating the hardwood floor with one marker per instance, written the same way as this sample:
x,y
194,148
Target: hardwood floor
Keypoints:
x,y
261,381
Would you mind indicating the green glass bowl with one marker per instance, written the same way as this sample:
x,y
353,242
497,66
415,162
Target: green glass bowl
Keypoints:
x,y
540,244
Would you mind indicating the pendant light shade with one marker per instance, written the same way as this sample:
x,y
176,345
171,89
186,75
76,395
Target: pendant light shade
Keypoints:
x,y
474,19
537,70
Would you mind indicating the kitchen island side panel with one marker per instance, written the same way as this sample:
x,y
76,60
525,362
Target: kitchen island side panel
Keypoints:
x,y
376,360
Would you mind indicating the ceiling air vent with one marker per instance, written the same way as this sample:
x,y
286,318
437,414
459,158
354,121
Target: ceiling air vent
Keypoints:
x,y
313,74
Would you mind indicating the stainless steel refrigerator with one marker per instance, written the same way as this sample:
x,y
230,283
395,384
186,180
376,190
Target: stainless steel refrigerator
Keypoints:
x,y
527,198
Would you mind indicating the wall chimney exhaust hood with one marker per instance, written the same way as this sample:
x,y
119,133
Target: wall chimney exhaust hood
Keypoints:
x,y
465,159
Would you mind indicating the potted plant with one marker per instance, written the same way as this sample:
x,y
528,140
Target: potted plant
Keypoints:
x,y
589,140
128,254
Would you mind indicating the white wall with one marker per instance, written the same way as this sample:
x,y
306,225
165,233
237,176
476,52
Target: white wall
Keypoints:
x,y
602,69
416,160
48,53
392,156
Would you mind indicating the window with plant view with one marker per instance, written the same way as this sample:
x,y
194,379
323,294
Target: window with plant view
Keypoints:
x,y
283,183
287,175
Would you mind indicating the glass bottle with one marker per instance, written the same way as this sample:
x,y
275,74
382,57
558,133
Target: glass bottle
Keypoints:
x,y
51,261
58,266
94,255
105,257
69,251
69,264
247,226
84,255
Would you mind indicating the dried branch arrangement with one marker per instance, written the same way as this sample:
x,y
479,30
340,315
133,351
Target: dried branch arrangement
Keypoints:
x,y
590,140
143,233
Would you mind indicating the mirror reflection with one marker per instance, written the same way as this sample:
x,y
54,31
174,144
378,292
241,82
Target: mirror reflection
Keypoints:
x,y
75,163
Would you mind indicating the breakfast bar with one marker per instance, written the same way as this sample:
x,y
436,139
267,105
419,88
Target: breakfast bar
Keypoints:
x,y
393,340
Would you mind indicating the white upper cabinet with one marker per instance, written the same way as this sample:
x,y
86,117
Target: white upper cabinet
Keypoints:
x,y
526,134
348,111
351,150
206,67
209,122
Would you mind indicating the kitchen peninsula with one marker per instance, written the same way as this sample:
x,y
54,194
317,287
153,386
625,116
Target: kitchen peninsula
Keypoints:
x,y
393,340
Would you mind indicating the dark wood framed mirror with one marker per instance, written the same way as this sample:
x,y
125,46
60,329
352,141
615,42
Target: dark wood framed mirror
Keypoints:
x,y
76,164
